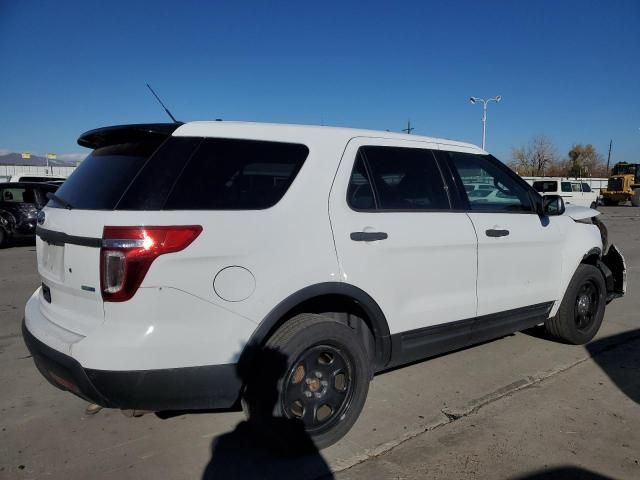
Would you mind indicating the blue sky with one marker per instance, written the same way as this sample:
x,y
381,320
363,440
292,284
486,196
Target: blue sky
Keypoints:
x,y
567,69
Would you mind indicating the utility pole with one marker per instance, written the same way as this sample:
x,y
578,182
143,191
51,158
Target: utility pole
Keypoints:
x,y
609,156
409,128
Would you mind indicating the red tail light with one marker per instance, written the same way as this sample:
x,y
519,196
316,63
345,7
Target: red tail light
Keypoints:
x,y
127,254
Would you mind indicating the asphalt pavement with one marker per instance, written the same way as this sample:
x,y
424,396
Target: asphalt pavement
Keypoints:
x,y
498,410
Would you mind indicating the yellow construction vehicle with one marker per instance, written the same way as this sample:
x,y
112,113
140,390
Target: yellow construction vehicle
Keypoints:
x,y
623,184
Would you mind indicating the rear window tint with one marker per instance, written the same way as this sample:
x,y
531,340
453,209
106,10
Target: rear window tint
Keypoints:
x,y
149,190
229,174
101,179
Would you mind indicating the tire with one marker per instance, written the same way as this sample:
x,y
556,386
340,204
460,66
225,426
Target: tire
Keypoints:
x,y
3,238
593,205
582,308
324,363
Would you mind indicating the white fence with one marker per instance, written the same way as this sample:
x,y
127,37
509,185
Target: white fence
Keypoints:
x,y
7,171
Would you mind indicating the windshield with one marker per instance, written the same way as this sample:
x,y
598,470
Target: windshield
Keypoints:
x,y
625,169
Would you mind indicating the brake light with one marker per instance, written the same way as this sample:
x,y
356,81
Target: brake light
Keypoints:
x,y
127,254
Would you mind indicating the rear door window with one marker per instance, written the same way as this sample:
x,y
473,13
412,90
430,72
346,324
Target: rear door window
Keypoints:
x,y
231,174
402,178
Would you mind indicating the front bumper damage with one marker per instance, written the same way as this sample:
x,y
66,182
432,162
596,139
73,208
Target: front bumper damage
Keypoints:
x,y
614,269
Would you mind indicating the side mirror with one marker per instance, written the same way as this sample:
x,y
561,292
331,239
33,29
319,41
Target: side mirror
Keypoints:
x,y
552,205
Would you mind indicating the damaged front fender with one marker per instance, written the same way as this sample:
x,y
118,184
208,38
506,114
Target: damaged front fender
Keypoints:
x,y
614,269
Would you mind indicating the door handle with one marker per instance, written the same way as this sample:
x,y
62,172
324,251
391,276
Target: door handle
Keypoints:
x,y
368,236
496,233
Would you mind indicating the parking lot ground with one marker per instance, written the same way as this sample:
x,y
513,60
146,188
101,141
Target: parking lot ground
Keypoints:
x,y
582,423
46,433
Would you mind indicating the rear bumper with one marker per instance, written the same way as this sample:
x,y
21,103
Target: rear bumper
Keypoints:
x,y
188,388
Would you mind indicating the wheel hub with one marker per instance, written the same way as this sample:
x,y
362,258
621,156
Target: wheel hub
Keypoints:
x,y
319,387
316,386
584,303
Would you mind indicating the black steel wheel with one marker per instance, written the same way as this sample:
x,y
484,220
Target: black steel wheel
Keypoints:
x,y
582,309
319,387
325,382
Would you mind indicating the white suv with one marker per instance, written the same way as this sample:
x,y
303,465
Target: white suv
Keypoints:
x,y
177,254
573,192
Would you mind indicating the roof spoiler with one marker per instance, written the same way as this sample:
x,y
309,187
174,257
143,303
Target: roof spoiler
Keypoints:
x,y
101,137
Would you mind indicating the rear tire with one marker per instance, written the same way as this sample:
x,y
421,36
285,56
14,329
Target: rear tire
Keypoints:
x,y
325,382
593,205
582,308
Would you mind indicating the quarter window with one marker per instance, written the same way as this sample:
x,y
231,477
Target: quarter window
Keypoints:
x,y
566,187
230,174
504,193
586,187
399,178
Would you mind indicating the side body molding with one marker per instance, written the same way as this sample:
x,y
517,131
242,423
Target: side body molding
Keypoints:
x,y
377,321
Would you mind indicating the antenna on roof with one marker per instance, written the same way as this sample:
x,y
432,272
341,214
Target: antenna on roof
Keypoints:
x,y
160,101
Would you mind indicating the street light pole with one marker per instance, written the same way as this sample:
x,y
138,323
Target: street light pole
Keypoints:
x,y
475,100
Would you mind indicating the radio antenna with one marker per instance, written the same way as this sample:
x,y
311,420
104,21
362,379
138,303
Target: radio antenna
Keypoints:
x,y
163,106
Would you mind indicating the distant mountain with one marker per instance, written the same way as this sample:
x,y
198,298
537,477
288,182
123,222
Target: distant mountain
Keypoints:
x,y
16,159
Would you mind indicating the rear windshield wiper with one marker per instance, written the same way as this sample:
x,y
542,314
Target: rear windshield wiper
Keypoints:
x,y
64,203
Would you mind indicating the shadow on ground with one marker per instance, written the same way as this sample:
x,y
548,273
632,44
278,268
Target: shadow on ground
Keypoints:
x,y
622,363
563,473
265,446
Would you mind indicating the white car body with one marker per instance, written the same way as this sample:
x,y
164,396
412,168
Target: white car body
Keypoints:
x,y
200,307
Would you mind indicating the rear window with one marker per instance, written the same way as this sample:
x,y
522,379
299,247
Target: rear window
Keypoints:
x,y
545,187
18,195
101,179
184,173
230,174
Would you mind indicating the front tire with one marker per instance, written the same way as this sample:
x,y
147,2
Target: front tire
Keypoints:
x,y
582,308
3,237
325,383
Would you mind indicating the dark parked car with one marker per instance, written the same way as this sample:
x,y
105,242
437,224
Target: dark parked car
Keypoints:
x,y
19,206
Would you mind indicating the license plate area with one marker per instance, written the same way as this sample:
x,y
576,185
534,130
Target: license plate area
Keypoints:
x,y
53,260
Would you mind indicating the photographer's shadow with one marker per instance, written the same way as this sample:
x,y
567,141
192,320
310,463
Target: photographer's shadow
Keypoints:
x,y
265,446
